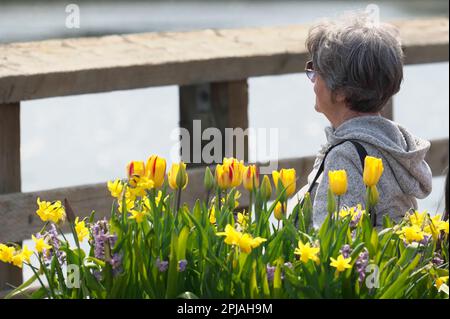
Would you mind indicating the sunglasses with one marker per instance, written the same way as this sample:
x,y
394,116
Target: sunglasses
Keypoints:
x,y
309,70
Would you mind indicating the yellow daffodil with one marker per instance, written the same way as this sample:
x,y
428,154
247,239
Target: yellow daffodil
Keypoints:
x,y
212,215
232,236
237,195
279,210
354,212
17,260
6,253
440,281
242,219
287,178
177,176
373,169
435,225
81,229
135,168
250,177
307,252
40,244
115,188
411,234
338,182
26,253
341,263
418,218
156,170
245,241
48,211
137,215
20,256
145,183
129,205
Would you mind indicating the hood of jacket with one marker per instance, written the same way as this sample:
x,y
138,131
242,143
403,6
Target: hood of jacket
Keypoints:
x,y
403,152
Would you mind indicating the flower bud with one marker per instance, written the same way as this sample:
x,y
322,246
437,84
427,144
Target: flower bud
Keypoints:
x,y
266,188
208,181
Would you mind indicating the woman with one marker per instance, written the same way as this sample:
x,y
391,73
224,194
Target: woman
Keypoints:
x,y
356,67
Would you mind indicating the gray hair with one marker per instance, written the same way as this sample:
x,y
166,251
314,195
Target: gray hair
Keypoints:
x,y
361,59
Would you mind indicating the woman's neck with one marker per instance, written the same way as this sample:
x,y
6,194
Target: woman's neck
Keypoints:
x,y
346,114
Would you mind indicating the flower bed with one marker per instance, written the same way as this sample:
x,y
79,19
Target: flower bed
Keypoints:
x,y
152,246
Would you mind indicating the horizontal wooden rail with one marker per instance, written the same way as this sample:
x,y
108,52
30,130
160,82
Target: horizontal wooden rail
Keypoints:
x,y
19,221
87,65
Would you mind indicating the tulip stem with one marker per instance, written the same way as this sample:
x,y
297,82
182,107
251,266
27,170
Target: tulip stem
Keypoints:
x,y
178,202
338,204
250,208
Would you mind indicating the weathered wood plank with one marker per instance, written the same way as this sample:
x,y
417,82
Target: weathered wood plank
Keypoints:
x,y
10,180
17,211
119,62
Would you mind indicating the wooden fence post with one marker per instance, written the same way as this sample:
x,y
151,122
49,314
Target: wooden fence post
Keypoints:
x,y
10,180
219,105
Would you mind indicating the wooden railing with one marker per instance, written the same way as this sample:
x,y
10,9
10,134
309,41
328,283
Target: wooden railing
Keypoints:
x,y
210,65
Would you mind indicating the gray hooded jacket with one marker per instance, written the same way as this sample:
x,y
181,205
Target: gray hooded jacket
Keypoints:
x,y
406,175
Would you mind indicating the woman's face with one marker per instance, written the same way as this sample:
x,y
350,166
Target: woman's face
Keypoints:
x,y
324,103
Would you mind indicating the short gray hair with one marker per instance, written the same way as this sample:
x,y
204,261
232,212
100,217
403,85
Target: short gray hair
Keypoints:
x,y
359,58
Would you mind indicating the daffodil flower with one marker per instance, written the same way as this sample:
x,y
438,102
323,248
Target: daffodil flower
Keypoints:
x,y
49,211
341,263
137,215
40,244
307,252
81,229
115,188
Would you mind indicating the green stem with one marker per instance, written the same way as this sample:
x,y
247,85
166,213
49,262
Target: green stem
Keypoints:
x,y
178,202
250,208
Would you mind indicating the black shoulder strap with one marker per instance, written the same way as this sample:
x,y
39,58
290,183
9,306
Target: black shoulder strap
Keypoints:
x,y
362,156
359,148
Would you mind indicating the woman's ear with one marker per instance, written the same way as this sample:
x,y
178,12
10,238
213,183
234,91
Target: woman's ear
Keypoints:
x,y
340,96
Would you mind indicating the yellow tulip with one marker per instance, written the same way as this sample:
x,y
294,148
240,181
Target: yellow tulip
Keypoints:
x,y
135,168
373,169
250,177
224,176
287,178
338,182
279,211
156,170
237,168
177,176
